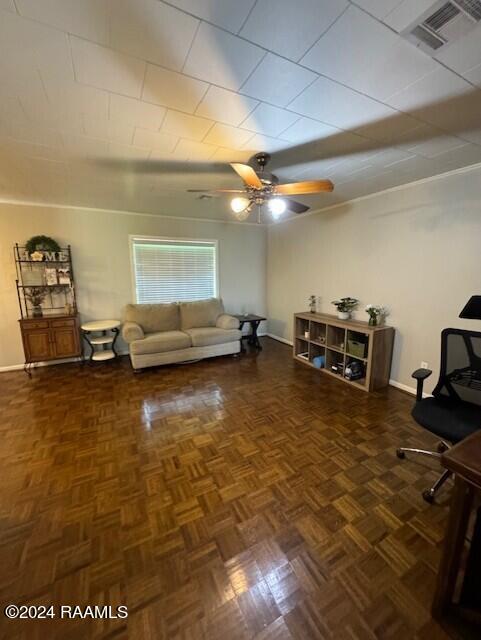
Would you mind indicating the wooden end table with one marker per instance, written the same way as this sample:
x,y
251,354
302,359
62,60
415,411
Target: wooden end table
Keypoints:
x,y
254,321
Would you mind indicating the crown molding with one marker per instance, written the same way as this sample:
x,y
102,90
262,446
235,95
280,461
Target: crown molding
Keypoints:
x,y
56,205
369,196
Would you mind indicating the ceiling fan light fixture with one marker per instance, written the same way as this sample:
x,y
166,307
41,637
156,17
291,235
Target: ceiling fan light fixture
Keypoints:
x,y
239,204
263,190
277,207
243,215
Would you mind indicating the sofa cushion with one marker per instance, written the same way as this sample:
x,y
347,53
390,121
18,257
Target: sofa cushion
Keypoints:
x,y
206,336
201,313
160,342
154,317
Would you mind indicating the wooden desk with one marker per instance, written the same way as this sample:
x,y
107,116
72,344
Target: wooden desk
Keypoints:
x,y
464,460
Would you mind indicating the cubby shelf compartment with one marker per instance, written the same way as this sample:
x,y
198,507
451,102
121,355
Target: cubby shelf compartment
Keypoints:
x,y
336,338
317,351
344,341
363,364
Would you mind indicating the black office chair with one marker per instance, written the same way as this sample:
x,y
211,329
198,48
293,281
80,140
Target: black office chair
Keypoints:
x,y
454,410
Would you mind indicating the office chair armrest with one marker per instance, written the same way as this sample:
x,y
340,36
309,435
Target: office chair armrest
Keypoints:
x,y
420,375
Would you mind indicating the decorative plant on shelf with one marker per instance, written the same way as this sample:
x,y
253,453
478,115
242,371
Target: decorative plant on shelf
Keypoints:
x,y
35,295
312,303
41,243
376,313
345,306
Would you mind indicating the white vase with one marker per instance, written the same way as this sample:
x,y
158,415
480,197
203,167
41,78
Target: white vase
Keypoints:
x,y
343,315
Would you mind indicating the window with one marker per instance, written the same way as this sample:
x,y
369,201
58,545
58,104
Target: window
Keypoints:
x,y
167,270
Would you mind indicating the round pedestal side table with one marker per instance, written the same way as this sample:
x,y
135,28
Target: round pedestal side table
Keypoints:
x,y
107,332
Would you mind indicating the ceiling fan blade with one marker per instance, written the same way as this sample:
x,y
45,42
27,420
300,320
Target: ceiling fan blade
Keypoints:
x,y
247,174
310,186
296,207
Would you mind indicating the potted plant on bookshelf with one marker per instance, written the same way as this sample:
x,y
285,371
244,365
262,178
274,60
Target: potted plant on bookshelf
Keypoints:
x,y
312,303
376,313
344,307
35,295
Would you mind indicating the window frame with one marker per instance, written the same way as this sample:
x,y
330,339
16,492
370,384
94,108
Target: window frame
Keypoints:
x,y
173,239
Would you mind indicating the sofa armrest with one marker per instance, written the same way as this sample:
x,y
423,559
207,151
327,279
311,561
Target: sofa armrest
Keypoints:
x,y
225,321
132,331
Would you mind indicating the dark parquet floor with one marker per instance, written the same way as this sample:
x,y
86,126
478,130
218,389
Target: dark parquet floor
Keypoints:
x,y
228,499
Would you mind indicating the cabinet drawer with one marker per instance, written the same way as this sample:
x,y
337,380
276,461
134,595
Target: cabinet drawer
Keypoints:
x,y
68,322
35,324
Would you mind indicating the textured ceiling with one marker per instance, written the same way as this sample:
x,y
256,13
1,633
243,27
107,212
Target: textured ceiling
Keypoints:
x,y
125,104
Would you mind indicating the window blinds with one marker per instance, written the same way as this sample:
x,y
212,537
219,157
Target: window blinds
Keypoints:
x,y
172,270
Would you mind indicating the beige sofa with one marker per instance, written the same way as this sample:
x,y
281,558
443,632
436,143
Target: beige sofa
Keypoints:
x,y
178,332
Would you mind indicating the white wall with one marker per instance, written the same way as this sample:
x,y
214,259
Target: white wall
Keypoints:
x,y
416,250
100,247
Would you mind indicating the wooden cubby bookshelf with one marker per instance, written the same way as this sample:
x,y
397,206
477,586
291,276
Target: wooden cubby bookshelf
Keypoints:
x,y
344,341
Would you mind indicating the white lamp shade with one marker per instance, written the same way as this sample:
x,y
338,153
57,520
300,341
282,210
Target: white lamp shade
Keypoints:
x,y
277,206
239,204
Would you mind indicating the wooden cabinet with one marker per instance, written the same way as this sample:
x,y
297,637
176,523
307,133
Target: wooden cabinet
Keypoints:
x,y
50,338
340,347
36,344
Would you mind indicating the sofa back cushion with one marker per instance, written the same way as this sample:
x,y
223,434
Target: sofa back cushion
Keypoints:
x,y
201,313
154,317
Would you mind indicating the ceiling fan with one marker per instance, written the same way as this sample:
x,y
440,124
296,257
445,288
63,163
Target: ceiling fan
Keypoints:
x,y
263,188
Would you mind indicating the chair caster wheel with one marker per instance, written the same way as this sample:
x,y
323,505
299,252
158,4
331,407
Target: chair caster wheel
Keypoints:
x,y
428,496
400,454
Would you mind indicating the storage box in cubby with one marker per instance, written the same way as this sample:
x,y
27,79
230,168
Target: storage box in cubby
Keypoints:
x,y
356,348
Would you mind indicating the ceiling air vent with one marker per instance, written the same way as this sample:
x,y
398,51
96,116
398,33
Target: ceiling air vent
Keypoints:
x,y
443,23
427,37
442,16
472,8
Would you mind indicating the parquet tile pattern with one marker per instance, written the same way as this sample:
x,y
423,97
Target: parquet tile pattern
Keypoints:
x,y
228,499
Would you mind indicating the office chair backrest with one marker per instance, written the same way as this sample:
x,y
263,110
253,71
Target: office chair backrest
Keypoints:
x,y
460,375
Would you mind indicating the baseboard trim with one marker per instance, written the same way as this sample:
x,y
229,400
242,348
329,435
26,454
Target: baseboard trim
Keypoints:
x,y
49,363
407,388
279,339
12,367
402,387
16,367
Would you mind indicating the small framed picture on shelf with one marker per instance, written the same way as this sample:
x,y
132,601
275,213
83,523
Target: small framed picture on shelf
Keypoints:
x,y
32,277
51,276
64,275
